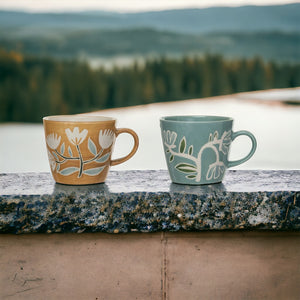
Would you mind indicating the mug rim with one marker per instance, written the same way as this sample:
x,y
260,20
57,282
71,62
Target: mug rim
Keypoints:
x,y
195,119
78,118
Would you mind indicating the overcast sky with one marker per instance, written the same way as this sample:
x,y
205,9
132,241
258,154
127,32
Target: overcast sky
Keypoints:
x,y
126,5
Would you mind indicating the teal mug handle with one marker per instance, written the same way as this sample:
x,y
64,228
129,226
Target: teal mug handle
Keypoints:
x,y
254,145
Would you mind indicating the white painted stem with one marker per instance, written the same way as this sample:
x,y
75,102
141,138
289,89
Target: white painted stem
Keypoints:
x,y
209,145
184,155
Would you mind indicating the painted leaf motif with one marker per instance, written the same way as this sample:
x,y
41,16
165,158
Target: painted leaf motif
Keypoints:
x,y
103,158
186,168
191,176
55,155
215,171
182,145
62,148
70,151
225,142
93,171
171,158
216,135
191,150
69,171
92,147
57,168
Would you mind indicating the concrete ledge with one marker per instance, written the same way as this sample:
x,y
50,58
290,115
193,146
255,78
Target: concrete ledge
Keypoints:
x,y
147,201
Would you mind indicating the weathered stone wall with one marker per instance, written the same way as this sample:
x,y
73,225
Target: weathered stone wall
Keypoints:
x,y
147,201
244,245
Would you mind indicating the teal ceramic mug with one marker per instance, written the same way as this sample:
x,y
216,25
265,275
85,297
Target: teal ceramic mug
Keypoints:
x,y
197,147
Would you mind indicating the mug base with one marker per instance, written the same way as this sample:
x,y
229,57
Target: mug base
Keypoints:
x,y
197,184
79,184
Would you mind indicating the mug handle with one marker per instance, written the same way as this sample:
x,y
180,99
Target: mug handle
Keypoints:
x,y
254,145
118,161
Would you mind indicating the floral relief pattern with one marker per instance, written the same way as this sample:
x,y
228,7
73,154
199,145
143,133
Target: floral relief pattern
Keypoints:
x,y
193,170
106,138
51,161
76,137
58,157
53,140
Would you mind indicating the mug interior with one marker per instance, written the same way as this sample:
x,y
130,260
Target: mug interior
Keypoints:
x,y
196,119
77,118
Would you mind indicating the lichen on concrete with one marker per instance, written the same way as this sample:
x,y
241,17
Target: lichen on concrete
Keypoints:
x,y
147,201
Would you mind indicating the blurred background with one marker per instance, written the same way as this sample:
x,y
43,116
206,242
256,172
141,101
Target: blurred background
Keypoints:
x,y
139,61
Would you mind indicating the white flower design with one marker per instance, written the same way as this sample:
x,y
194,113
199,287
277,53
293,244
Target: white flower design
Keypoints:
x,y
51,161
225,142
194,170
215,170
53,140
170,138
106,138
76,137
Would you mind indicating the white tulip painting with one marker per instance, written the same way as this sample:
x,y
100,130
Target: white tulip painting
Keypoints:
x,y
58,157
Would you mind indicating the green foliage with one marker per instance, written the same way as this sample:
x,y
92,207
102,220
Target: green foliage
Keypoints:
x,y
32,87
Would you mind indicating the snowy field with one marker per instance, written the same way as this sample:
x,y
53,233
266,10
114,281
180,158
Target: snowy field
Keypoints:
x,y
276,127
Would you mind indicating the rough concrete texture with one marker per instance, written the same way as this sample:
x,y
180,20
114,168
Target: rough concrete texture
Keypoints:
x,y
204,265
147,201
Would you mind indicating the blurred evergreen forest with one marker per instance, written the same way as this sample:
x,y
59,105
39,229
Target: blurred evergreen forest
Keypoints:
x,y
32,87
42,72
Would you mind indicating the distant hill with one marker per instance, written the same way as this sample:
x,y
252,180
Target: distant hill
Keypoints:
x,y
272,32
244,18
278,46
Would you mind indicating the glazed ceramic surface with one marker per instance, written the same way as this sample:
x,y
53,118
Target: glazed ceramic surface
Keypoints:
x,y
80,147
196,147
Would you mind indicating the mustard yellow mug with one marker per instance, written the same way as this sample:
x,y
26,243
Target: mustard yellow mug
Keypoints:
x,y
80,147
